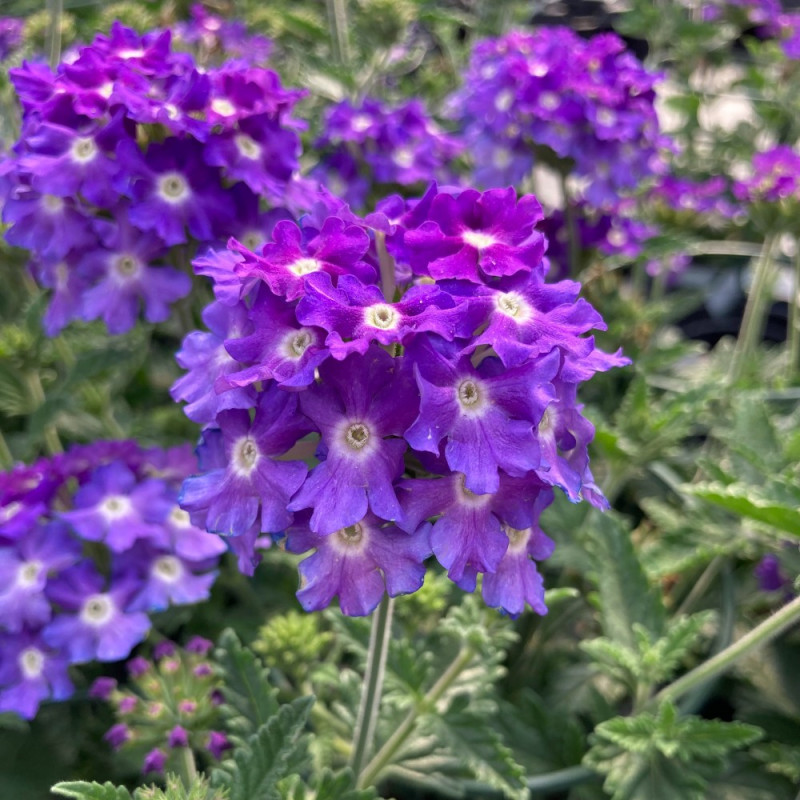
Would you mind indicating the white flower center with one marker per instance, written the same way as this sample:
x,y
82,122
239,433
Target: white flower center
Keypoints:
x,y
381,315
504,100
353,537
616,237
245,456
31,663
10,511
549,100
83,150
403,157
247,146
98,609
173,112
130,53
252,240
28,573
607,117
297,342
173,188
538,69
127,266
469,497
501,158
52,204
62,275
471,397
305,266
547,423
361,122
115,507
223,107
105,90
517,539
356,436
478,239
513,305
167,569
180,518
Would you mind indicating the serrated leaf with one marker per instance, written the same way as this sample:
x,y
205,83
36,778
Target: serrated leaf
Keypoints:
x,y
80,790
751,502
246,683
626,597
277,750
340,786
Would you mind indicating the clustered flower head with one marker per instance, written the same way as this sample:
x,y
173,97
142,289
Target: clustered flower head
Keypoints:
x,y
768,17
132,155
11,29
775,177
590,103
90,542
376,390
168,703
372,143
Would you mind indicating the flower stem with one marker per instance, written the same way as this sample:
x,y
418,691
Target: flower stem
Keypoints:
x,y
384,756
337,20
6,456
757,302
724,660
560,779
794,317
187,768
373,684
56,11
386,263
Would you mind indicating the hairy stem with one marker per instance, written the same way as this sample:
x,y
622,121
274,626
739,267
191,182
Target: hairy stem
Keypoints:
x,y
384,756
754,310
56,10
725,659
187,768
379,638
337,20
561,779
794,317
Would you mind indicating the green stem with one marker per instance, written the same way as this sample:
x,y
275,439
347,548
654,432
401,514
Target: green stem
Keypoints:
x,y
6,456
724,660
384,756
51,440
700,585
794,317
187,769
753,318
56,11
337,20
379,638
387,268
561,779
572,229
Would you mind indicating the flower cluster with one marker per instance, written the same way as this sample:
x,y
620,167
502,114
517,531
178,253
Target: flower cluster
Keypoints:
x,y
775,177
90,542
768,17
10,35
214,35
131,155
588,102
385,388
373,144
169,703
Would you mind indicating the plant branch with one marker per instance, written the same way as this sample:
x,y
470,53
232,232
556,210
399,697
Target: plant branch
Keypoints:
x,y
379,638
794,317
337,20
724,660
384,756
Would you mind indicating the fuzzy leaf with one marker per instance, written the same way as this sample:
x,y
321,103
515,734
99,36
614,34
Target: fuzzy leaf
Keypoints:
x,y
626,597
246,684
276,751
753,503
81,790
340,786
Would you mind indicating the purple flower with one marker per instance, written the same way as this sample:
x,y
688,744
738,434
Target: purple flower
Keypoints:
x,y
361,407
96,623
769,574
11,29
30,672
199,645
245,481
24,571
112,507
359,563
178,737
217,744
154,761
486,416
102,687
208,362
129,278
117,735
473,234
138,666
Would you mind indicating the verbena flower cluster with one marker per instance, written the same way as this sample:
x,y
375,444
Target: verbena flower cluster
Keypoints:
x,y
385,388
90,542
130,156
169,703
589,102
768,16
775,177
11,29
373,144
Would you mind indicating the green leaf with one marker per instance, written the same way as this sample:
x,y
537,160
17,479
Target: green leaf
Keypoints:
x,y
246,688
626,597
80,790
175,790
751,502
340,786
277,750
